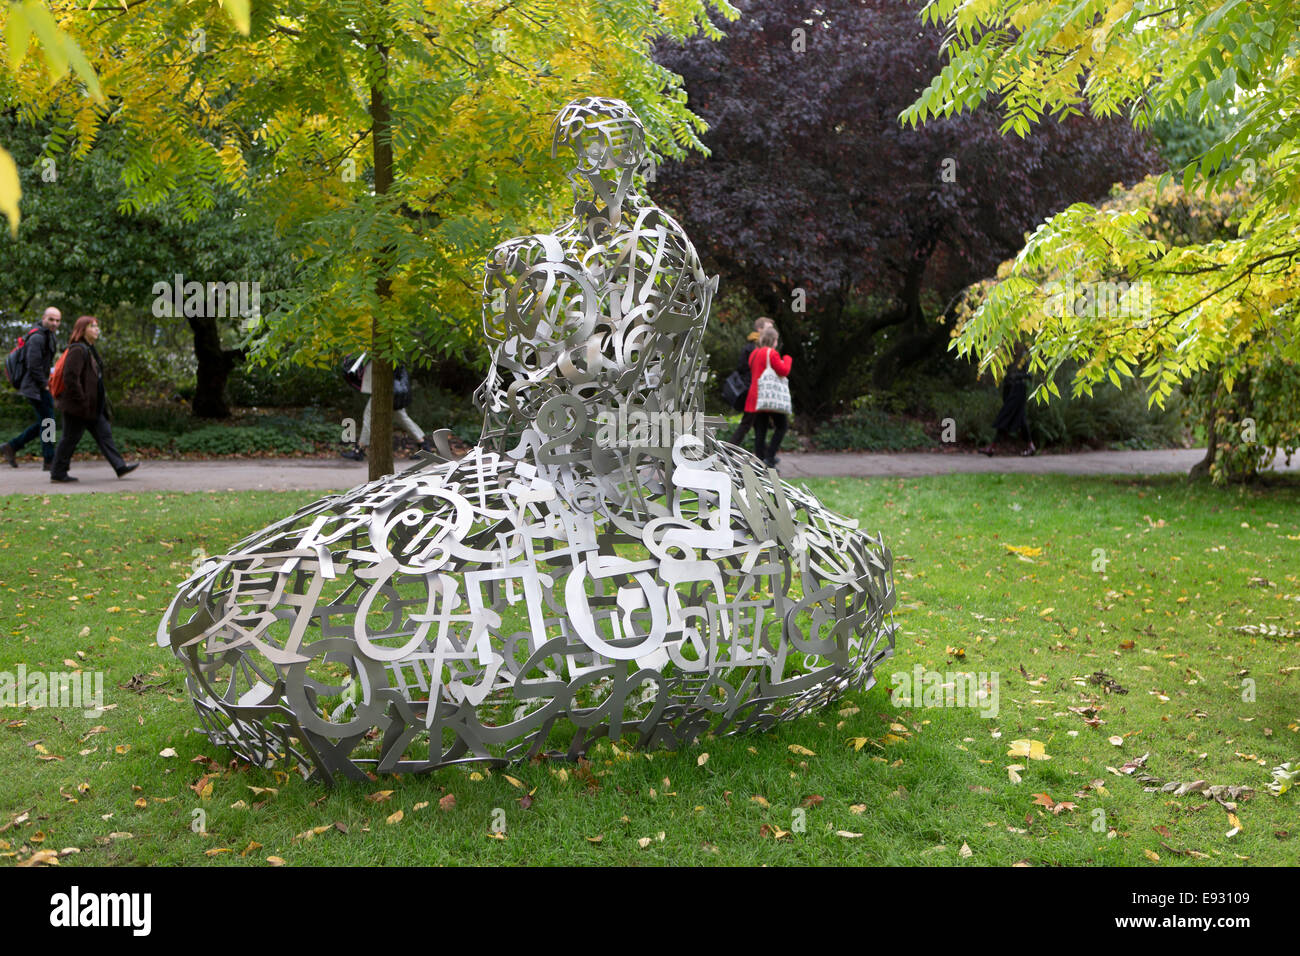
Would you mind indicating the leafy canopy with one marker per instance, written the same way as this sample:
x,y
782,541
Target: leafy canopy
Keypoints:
x,y
1227,303
471,88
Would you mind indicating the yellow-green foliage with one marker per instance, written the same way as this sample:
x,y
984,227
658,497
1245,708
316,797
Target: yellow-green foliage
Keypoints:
x,y
472,87
1217,262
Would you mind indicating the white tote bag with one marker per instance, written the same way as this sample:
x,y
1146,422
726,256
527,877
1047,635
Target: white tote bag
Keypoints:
x,y
773,391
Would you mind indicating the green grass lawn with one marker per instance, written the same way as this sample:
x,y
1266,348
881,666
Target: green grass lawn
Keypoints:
x,y
84,580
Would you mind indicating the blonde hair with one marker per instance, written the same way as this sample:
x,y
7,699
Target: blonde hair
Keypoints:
x,y
762,322
768,336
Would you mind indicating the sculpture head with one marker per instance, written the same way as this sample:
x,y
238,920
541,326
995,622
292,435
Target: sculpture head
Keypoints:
x,y
604,134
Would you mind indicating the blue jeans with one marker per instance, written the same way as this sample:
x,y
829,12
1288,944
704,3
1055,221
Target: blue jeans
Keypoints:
x,y
44,407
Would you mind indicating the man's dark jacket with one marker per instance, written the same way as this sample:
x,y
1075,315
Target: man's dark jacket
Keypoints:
x,y
39,353
83,392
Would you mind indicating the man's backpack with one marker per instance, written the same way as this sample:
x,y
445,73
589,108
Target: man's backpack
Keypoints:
x,y
56,374
353,370
16,360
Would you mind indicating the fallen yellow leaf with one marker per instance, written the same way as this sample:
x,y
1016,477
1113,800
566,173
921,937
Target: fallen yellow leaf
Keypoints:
x,y
1033,749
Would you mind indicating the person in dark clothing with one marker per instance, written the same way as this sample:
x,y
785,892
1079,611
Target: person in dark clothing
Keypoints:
x,y
1012,419
84,402
742,369
39,352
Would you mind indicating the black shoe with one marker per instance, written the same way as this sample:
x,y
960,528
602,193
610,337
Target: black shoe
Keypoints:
x,y
127,469
353,454
7,452
45,466
63,478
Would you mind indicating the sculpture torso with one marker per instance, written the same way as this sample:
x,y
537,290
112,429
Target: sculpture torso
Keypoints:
x,y
606,314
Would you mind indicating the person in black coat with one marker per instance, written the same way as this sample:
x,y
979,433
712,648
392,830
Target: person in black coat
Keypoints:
x,y
84,402
1012,418
38,354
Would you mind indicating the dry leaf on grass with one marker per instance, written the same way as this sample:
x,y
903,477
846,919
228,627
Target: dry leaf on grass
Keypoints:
x,y
1033,749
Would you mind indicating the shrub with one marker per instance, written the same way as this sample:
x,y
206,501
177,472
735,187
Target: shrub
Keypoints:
x,y
870,429
141,370
237,440
433,408
972,411
173,419
255,385
1110,417
143,438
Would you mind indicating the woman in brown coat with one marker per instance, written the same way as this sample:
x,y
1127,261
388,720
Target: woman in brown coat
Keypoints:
x,y
84,403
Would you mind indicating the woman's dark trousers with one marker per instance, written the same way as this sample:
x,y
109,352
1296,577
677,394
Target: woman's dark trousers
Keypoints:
x,y
761,421
73,428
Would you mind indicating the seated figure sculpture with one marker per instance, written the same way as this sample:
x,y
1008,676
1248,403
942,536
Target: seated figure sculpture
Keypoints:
x,y
555,585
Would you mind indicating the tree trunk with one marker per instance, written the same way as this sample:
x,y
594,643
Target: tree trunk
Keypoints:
x,y
1202,468
920,335
380,453
214,366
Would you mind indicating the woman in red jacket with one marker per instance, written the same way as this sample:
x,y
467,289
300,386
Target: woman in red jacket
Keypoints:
x,y
758,361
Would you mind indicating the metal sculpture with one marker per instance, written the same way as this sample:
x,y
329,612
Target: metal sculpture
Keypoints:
x,y
598,565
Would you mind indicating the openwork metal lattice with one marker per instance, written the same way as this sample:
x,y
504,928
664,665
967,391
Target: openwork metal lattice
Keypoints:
x,y
598,565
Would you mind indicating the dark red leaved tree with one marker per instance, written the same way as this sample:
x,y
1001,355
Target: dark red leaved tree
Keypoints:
x,y
812,184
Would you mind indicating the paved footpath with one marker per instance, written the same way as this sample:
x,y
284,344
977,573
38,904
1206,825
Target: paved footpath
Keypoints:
x,y
307,474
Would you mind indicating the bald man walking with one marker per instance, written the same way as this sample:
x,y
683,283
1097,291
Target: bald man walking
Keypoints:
x,y
40,349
